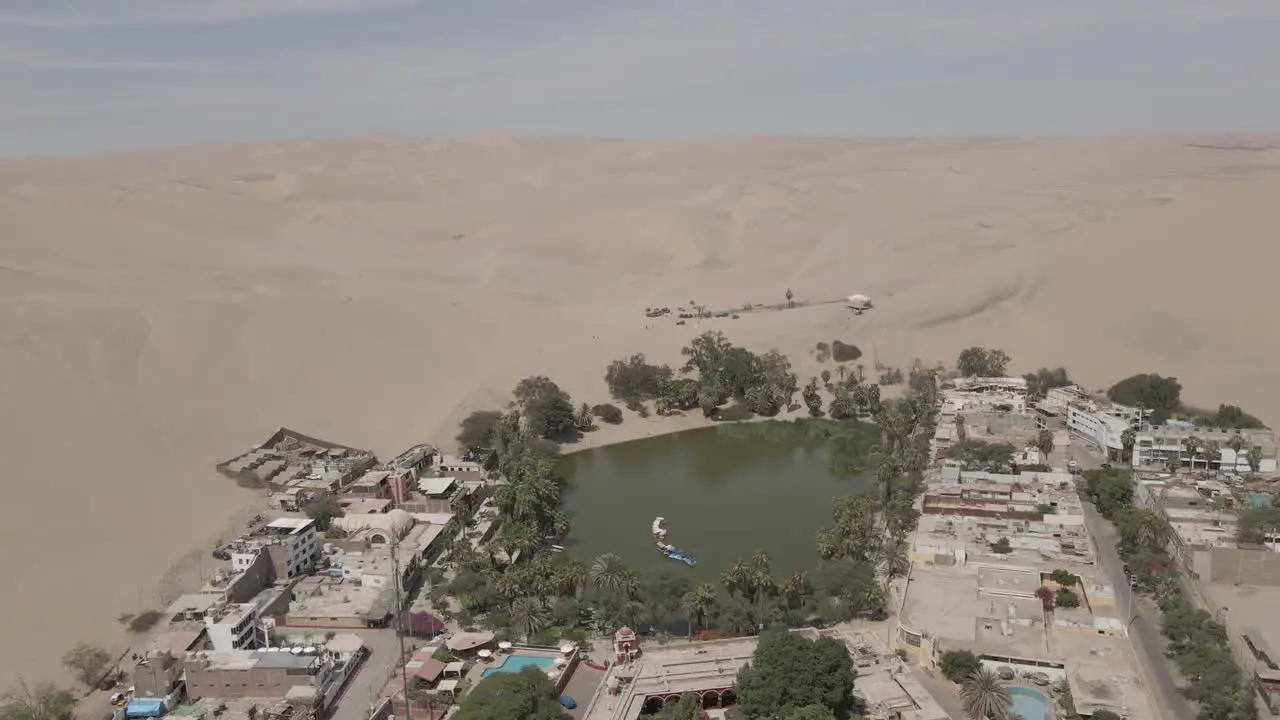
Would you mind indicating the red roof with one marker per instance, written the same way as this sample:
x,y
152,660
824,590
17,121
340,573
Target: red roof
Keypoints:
x,y
625,631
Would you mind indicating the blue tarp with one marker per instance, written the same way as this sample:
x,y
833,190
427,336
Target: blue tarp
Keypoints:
x,y
567,702
144,708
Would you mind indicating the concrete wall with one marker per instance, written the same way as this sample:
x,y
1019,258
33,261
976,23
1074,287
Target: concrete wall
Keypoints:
x,y
1239,566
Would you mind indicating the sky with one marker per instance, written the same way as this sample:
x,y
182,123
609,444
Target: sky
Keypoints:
x,y
84,76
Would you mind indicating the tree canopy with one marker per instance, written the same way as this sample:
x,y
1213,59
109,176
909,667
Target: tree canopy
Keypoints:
x,y
477,430
763,384
1253,523
982,362
1161,395
957,665
1040,382
547,409
1111,490
526,695
42,701
635,379
789,672
1230,417
982,455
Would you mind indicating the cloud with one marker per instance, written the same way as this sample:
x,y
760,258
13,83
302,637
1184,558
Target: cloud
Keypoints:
x,y
80,14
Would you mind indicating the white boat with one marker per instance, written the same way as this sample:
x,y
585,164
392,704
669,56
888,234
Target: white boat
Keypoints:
x,y
659,527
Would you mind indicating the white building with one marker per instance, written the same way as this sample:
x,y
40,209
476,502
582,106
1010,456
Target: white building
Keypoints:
x,y
1103,427
1154,445
233,627
296,540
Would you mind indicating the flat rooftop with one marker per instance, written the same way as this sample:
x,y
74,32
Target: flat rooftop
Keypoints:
x,y
291,525
691,668
1103,674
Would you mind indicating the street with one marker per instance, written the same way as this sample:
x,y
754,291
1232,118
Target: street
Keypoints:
x,y
1144,628
363,689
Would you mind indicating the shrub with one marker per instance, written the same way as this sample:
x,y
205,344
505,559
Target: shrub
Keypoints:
x,y
958,664
1066,599
1065,578
1001,546
844,353
144,621
608,412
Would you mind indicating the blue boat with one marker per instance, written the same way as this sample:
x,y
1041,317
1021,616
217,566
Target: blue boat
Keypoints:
x,y
676,553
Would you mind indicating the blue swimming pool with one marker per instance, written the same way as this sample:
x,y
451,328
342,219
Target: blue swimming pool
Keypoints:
x,y
1029,704
515,662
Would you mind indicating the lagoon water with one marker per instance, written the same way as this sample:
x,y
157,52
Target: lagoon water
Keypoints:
x,y
726,491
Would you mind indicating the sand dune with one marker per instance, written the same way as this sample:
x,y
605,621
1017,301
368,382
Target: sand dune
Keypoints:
x,y
162,310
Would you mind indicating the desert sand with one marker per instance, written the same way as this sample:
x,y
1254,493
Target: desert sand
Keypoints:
x,y
161,311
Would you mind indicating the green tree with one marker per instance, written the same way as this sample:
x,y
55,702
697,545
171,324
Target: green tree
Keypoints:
x,y
789,672
478,431
810,712
636,380
981,455
984,697
789,296
1231,417
1064,598
42,701
547,410
1140,527
762,583
1043,380
1161,395
688,707
1128,439
958,665
1104,715
608,413
1044,442
1110,488
529,616
981,362
526,695
1252,524
812,399
1065,578
737,578
323,511
1255,458
87,663
842,405
1001,546
607,573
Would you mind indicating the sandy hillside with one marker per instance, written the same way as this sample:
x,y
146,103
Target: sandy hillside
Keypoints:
x,y
160,311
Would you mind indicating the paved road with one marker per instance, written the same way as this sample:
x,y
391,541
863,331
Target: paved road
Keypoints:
x,y
1144,630
384,649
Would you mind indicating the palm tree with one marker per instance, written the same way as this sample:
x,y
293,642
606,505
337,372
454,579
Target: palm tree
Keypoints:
x,y
529,616
1127,440
609,574
789,296
586,421
1192,444
42,701
1236,443
762,582
737,578
689,604
894,559
1212,451
985,698
797,587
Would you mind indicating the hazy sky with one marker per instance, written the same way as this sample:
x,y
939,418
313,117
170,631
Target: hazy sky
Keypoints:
x,y
89,75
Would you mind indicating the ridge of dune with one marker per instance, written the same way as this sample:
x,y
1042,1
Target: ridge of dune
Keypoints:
x,y
162,310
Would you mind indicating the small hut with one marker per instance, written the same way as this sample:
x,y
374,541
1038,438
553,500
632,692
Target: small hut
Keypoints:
x,y
625,645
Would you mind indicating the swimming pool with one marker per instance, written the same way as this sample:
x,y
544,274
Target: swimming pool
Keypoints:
x,y
1027,703
515,662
